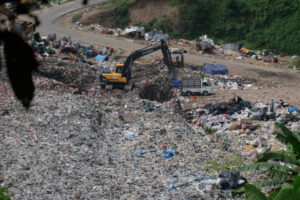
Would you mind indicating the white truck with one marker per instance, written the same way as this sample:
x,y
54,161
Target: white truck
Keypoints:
x,y
192,86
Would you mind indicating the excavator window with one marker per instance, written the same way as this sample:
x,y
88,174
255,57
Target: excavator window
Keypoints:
x,y
205,84
118,69
106,71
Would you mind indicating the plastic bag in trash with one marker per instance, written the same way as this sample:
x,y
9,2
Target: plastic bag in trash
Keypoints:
x,y
231,180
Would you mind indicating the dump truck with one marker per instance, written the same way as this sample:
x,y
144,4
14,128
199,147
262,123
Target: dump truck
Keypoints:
x,y
192,86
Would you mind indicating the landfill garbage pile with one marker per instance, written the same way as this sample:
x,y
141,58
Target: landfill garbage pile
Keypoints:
x,y
156,36
235,82
230,124
77,76
66,49
141,73
100,146
159,90
231,180
131,31
236,105
80,142
223,82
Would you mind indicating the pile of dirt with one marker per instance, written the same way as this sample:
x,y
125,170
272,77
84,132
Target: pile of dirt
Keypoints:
x,y
160,90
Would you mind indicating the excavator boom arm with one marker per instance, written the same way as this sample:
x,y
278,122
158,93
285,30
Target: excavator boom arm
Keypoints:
x,y
142,52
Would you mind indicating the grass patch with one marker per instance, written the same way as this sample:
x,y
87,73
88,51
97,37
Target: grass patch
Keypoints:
x,y
231,163
208,131
163,24
116,12
296,62
3,194
76,17
116,57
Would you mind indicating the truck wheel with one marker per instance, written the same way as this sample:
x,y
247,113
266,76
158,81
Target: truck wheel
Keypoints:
x,y
188,93
183,93
205,93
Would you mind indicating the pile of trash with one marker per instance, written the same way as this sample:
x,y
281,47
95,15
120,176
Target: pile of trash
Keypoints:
x,y
237,109
237,50
81,142
66,49
159,90
235,82
206,45
131,32
236,105
239,119
156,36
77,76
81,146
218,77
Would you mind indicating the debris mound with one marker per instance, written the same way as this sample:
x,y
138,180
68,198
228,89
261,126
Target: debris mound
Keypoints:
x,y
160,90
235,105
73,77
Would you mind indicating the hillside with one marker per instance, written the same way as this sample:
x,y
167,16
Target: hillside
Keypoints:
x,y
116,14
260,24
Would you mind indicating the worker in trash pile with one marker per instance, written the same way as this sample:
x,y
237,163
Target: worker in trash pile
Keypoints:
x,y
272,105
281,103
202,75
146,83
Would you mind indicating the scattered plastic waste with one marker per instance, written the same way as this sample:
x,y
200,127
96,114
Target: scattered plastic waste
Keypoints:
x,y
168,153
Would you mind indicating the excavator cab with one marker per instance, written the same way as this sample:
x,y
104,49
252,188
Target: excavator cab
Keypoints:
x,y
112,78
119,68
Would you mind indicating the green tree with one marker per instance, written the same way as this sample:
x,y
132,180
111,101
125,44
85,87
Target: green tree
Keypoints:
x,y
261,23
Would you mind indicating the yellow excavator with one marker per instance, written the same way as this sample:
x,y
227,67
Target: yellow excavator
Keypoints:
x,y
120,77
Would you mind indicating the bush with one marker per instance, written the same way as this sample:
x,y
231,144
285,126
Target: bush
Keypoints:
x,y
149,26
263,24
121,16
76,17
164,24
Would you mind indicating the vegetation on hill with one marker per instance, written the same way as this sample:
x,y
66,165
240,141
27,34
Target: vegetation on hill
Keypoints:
x,y
116,12
259,24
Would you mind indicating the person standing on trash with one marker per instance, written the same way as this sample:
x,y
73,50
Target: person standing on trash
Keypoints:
x,y
147,83
69,41
202,75
272,105
280,103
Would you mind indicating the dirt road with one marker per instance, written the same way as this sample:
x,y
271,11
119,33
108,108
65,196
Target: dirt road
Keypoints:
x,y
55,20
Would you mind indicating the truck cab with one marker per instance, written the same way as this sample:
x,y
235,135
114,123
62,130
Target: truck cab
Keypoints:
x,y
195,86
